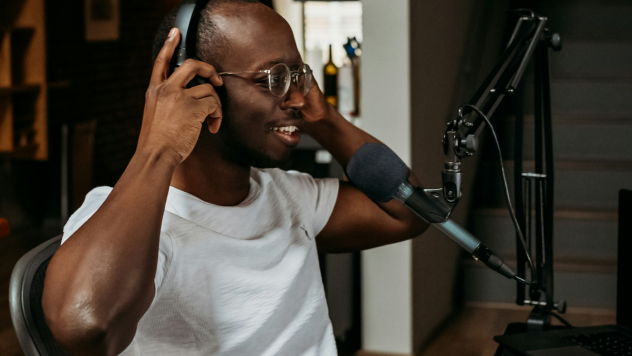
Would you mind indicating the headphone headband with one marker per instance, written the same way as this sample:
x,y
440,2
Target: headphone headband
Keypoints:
x,y
186,21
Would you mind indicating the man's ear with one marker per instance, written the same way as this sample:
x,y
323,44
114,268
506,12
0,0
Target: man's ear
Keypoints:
x,y
213,124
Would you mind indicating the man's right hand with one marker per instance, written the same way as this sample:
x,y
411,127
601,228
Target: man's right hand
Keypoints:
x,y
173,114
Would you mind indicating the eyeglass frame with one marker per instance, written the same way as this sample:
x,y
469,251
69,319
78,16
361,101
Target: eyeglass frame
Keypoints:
x,y
293,77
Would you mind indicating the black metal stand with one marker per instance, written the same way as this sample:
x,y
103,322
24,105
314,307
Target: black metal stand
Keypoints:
x,y
537,186
518,328
534,190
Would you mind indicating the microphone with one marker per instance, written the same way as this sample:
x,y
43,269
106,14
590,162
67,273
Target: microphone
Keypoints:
x,y
380,174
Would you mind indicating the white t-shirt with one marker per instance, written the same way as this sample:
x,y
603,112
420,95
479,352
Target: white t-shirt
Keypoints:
x,y
241,280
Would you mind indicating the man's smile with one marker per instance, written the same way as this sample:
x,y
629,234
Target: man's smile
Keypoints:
x,y
287,134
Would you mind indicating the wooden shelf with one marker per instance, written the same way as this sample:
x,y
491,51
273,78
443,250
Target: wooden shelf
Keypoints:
x,y
23,87
24,152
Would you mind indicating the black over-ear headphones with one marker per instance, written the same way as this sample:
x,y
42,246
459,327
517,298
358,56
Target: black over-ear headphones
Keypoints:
x,y
187,22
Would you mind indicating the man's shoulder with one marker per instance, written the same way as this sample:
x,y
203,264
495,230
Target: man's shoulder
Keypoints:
x,y
99,192
93,201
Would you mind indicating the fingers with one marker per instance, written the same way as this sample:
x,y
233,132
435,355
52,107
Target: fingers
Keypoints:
x,y
190,68
211,106
206,95
201,91
161,65
213,112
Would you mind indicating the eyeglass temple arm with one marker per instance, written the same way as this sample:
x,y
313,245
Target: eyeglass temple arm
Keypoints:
x,y
245,71
258,71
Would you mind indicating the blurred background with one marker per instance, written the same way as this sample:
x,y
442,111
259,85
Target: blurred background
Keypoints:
x,y
72,83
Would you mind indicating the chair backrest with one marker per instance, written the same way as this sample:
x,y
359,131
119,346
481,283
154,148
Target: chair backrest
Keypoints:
x,y
25,301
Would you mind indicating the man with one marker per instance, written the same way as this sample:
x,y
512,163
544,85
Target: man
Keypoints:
x,y
202,247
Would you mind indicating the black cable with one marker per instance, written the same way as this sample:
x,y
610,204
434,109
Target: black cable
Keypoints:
x,y
523,281
562,320
507,198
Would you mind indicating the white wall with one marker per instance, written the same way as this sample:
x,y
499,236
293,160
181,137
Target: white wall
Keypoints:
x,y
387,271
292,13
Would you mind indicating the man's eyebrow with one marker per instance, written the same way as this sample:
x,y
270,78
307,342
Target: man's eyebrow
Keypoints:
x,y
275,61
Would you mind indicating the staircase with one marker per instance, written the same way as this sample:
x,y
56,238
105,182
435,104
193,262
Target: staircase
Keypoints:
x,y
591,86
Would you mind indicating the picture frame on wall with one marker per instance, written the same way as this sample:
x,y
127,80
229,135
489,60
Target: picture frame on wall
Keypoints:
x,y
102,18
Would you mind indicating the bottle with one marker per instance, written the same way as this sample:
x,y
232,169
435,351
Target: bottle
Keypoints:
x,y
352,64
355,62
345,88
331,81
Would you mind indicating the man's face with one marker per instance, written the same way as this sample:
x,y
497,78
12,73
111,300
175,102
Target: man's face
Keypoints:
x,y
257,38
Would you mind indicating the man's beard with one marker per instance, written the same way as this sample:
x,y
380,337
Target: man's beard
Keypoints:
x,y
236,150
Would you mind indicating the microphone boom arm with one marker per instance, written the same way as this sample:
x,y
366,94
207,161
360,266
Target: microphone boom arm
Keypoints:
x,y
461,137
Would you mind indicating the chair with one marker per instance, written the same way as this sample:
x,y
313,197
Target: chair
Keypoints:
x,y
25,301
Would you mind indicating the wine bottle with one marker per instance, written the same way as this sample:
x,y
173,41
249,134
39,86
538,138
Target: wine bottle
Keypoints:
x,y
331,81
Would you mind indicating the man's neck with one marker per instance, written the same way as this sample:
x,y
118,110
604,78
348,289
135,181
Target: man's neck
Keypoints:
x,y
211,178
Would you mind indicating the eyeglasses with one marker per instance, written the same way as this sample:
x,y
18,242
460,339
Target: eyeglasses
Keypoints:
x,y
280,77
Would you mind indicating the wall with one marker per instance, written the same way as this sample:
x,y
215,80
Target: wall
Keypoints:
x,y
105,81
453,44
420,60
438,34
102,81
292,12
386,271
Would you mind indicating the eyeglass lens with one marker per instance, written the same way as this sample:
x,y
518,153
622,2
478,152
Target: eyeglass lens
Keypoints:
x,y
280,79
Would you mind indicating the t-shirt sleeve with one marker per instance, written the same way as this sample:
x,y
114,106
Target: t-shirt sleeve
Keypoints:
x,y
320,194
92,203
327,195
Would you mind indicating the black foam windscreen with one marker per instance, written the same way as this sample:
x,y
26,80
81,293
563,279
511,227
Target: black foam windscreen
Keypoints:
x,y
377,171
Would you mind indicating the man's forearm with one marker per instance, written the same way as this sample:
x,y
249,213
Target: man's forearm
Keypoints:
x,y
355,224
102,278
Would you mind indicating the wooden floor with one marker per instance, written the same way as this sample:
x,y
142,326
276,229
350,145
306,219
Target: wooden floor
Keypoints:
x,y
471,333
468,334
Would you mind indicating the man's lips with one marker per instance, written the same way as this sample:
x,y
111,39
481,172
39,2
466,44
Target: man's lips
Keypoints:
x,y
289,135
284,123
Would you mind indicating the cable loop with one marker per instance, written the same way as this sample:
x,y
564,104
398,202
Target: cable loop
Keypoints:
x,y
507,198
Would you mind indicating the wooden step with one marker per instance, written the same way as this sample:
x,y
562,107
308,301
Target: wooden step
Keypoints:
x,y
576,119
583,234
582,97
589,20
575,137
567,165
562,264
591,287
560,213
578,184
591,59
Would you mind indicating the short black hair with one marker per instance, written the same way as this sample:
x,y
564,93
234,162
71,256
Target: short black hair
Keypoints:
x,y
214,44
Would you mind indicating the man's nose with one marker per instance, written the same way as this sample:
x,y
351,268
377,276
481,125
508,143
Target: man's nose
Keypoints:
x,y
294,99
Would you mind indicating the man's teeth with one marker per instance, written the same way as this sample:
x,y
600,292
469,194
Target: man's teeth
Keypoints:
x,y
288,130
